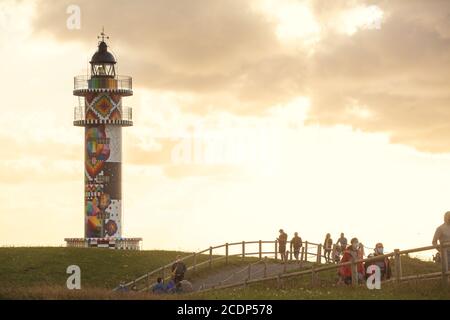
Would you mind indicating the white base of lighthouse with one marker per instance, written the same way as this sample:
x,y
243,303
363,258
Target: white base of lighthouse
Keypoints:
x,y
108,243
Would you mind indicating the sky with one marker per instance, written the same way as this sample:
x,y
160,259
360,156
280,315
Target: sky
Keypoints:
x,y
311,116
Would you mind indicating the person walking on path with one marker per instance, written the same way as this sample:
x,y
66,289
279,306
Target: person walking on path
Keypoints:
x,y
296,244
282,240
327,246
342,242
178,270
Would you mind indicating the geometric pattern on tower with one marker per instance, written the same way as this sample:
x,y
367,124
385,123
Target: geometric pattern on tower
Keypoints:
x,y
103,107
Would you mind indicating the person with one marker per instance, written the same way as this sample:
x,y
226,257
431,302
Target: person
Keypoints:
x,y
383,262
185,286
296,244
351,254
327,246
171,287
361,253
336,253
122,287
437,257
178,270
442,235
282,240
159,288
342,242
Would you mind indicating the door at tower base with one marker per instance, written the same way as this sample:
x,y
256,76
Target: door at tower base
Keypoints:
x,y
103,194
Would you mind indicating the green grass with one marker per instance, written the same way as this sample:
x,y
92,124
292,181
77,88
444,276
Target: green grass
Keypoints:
x,y
40,273
100,268
295,290
326,287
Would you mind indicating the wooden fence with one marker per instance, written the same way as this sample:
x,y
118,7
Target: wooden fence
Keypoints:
x,y
315,271
310,252
207,257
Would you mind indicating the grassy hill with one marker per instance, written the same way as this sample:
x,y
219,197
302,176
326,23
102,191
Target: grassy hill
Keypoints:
x,y
100,268
40,273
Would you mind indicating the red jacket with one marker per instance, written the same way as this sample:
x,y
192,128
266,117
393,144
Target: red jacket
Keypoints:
x,y
346,271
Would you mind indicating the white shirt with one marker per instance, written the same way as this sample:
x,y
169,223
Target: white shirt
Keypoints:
x,y
442,234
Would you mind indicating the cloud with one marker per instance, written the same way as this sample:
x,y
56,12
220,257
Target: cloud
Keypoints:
x,y
376,65
398,74
206,47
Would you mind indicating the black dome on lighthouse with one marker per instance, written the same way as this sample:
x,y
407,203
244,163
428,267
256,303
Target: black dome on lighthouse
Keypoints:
x,y
102,55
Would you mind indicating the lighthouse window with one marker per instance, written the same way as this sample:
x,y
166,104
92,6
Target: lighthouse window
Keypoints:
x,y
103,70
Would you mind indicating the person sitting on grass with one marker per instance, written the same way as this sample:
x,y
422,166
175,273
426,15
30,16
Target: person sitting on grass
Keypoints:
x,y
171,286
159,288
122,287
382,263
185,286
351,254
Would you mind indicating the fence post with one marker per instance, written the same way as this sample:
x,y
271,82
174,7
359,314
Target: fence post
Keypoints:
x,y
265,266
354,268
276,250
444,261
398,266
306,250
290,254
333,252
226,253
210,257
302,252
313,276
194,268
243,250
260,249
319,254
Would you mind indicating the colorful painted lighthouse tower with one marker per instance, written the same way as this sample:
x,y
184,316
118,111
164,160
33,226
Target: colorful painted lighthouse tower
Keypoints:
x,y
103,115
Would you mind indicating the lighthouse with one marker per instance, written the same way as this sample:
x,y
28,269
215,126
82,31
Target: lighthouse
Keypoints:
x,y
102,114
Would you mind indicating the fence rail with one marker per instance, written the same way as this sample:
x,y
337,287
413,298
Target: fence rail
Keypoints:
x,y
308,250
211,255
314,271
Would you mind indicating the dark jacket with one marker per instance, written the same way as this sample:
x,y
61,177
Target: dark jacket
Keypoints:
x,y
296,242
179,268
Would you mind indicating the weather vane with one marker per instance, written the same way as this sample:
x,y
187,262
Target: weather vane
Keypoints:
x,y
103,35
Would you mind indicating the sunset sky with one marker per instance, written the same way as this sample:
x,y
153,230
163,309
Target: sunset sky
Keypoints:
x,y
313,116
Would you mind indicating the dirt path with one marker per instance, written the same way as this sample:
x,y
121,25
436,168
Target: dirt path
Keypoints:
x,y
234,274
